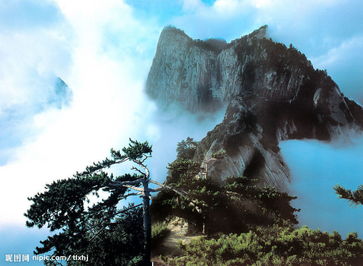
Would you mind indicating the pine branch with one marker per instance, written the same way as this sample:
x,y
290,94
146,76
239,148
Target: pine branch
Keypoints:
x,y
182,194
146,174
118,184
355,197
139,171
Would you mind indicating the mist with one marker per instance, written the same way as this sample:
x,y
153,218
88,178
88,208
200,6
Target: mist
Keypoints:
x,y
316,167
168,127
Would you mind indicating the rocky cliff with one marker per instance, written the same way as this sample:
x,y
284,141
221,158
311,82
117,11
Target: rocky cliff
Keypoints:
x,y
272,93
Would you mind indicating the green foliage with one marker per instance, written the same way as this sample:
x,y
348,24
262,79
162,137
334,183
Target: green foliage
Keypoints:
x,y
136,150
109,235
230,207
181,171
159,232
355,197
186,148
275,245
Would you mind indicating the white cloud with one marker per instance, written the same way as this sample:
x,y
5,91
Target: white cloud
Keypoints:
x,y
339,53
107,83
344,63
306,24
192,5
262,3
28,62
230,7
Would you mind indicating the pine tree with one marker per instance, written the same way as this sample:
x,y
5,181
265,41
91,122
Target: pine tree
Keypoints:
x,y
355,197
186,148
98,229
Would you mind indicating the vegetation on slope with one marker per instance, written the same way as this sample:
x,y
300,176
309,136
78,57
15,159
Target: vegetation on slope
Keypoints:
x,y
242,222
276,245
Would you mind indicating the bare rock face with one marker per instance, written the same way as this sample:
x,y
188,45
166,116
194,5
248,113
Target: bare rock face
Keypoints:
x,y
272,93
183,71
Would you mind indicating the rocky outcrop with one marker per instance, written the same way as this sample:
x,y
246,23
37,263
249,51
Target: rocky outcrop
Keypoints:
x,y
272,93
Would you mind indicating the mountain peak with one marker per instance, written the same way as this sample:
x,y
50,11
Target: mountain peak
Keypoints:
x,y
259,33
272,92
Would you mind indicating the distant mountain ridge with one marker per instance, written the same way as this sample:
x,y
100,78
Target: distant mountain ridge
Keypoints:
x,y
272,93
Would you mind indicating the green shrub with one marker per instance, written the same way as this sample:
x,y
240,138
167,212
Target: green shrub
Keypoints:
x,y
275,245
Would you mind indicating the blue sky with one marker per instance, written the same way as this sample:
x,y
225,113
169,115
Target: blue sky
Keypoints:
x,y
103,51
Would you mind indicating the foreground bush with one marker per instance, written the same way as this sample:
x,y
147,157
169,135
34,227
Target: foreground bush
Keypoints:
x,y
159,232
276,245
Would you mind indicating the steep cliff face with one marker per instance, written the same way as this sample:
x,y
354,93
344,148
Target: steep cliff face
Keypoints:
x,y
272,93
183,71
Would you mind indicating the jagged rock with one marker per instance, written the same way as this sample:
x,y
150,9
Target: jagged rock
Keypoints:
x,y
272,93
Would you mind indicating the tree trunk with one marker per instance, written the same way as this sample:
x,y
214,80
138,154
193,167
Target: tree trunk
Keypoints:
x,y
147,223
